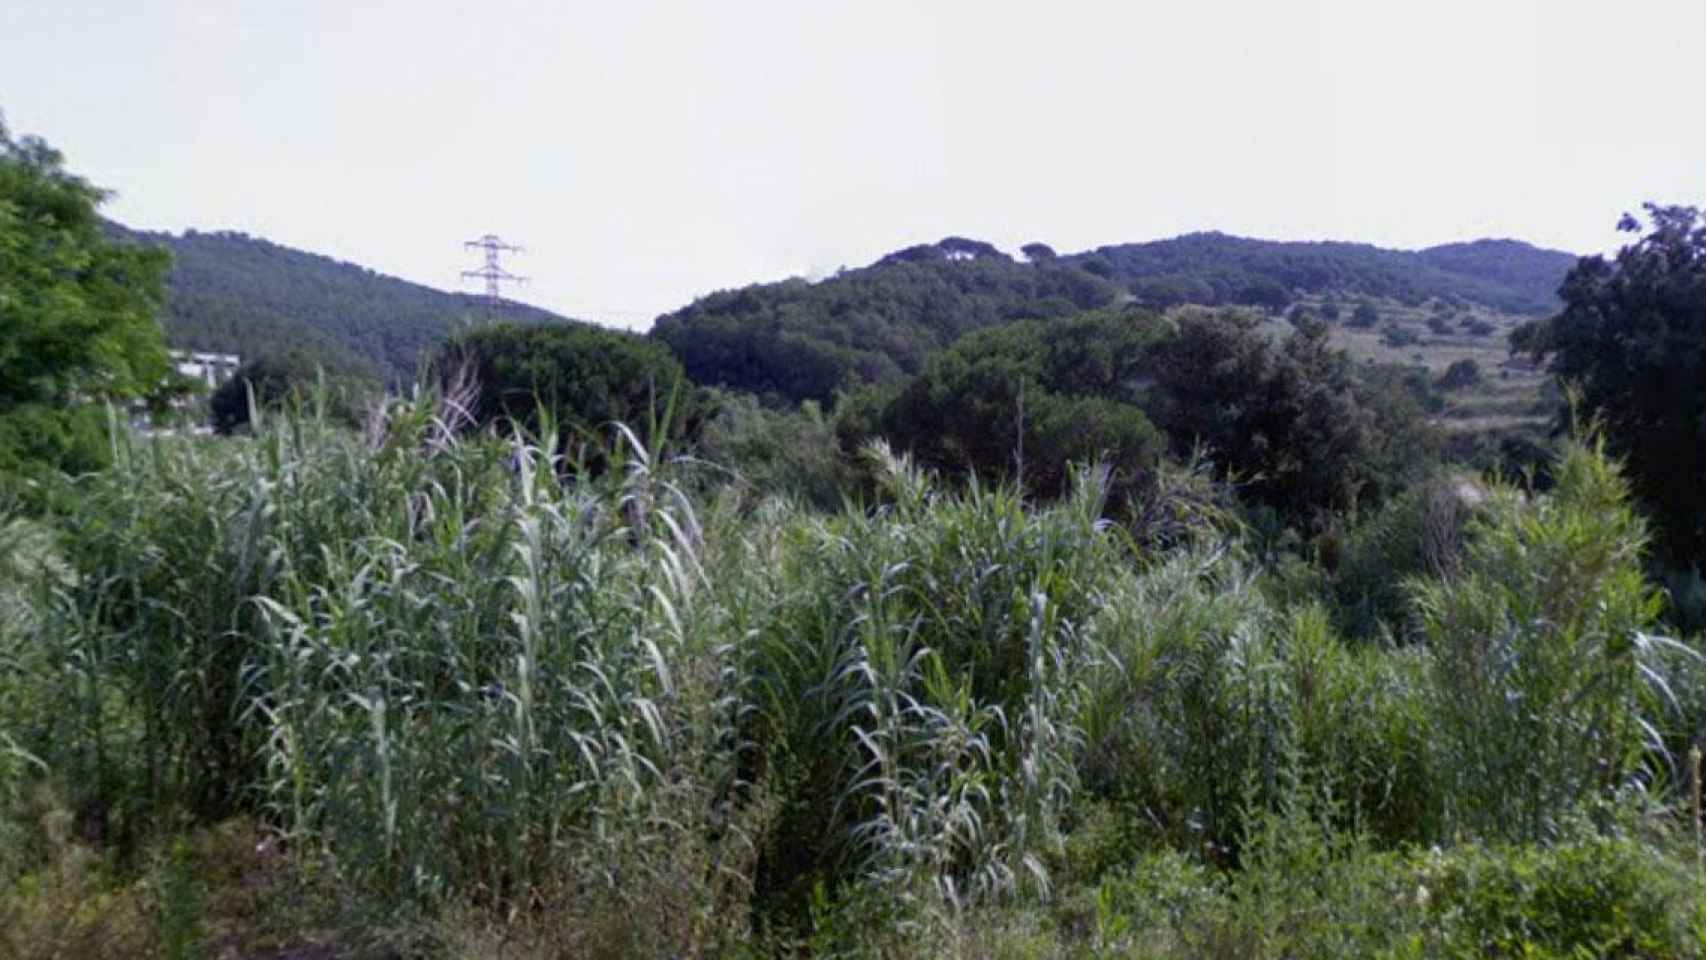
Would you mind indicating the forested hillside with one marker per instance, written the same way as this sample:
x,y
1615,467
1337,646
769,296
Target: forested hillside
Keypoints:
x,y
1214,268
240,294
800,340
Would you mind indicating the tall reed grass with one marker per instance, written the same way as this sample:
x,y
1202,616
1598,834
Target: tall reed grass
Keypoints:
x,y
455,673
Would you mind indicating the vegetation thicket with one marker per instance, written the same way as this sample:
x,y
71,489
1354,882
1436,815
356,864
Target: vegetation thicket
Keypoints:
x,y
1292,422
471,697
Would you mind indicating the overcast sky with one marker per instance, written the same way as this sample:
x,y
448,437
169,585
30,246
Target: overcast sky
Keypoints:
x,y
649,152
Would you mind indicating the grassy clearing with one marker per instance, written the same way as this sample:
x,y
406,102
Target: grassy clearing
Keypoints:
x,y
457,699
1512,393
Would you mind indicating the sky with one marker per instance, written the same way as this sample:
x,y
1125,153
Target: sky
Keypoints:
x,y
647,152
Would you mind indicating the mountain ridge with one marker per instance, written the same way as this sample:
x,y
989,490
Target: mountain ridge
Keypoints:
x,y
878,323
796,340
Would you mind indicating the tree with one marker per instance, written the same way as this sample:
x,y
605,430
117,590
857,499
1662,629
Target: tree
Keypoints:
x,y
1461,374
1027,398
1037,251
1631,339
279,379
1291,421
78,315
582,376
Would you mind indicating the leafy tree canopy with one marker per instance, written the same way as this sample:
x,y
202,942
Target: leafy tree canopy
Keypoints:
x,y
580,375
1292,420
1632,340
1032,396
77,313
797,340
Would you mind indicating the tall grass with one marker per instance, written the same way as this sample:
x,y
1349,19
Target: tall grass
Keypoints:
x,y
457,675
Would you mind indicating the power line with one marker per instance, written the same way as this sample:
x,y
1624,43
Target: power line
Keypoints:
x,y
492,272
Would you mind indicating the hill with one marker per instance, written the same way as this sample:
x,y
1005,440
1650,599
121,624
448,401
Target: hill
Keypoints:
x,y
1215,268
799,340
1513,264
234,293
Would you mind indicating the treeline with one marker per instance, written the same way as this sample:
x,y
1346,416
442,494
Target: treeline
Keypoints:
x,y
1284,431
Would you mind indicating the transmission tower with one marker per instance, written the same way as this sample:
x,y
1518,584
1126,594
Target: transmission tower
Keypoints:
x,y
493,273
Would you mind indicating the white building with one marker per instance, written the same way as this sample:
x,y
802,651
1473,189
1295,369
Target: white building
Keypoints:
x,y
212,369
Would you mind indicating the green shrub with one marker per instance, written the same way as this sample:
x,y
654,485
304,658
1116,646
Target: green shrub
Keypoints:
x,y
1537,648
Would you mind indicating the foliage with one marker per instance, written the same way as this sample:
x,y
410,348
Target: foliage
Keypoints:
x,y
768,452
1029,399
575,378
921,701
1418,533
1477,327
278,381
877,325
1529,273
1461,375
77,315
1541,655
1293,422
1397,335
1632,340
500,706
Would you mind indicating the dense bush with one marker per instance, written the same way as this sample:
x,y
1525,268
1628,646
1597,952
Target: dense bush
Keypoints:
x,y
1460,375
1299,428
767,452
